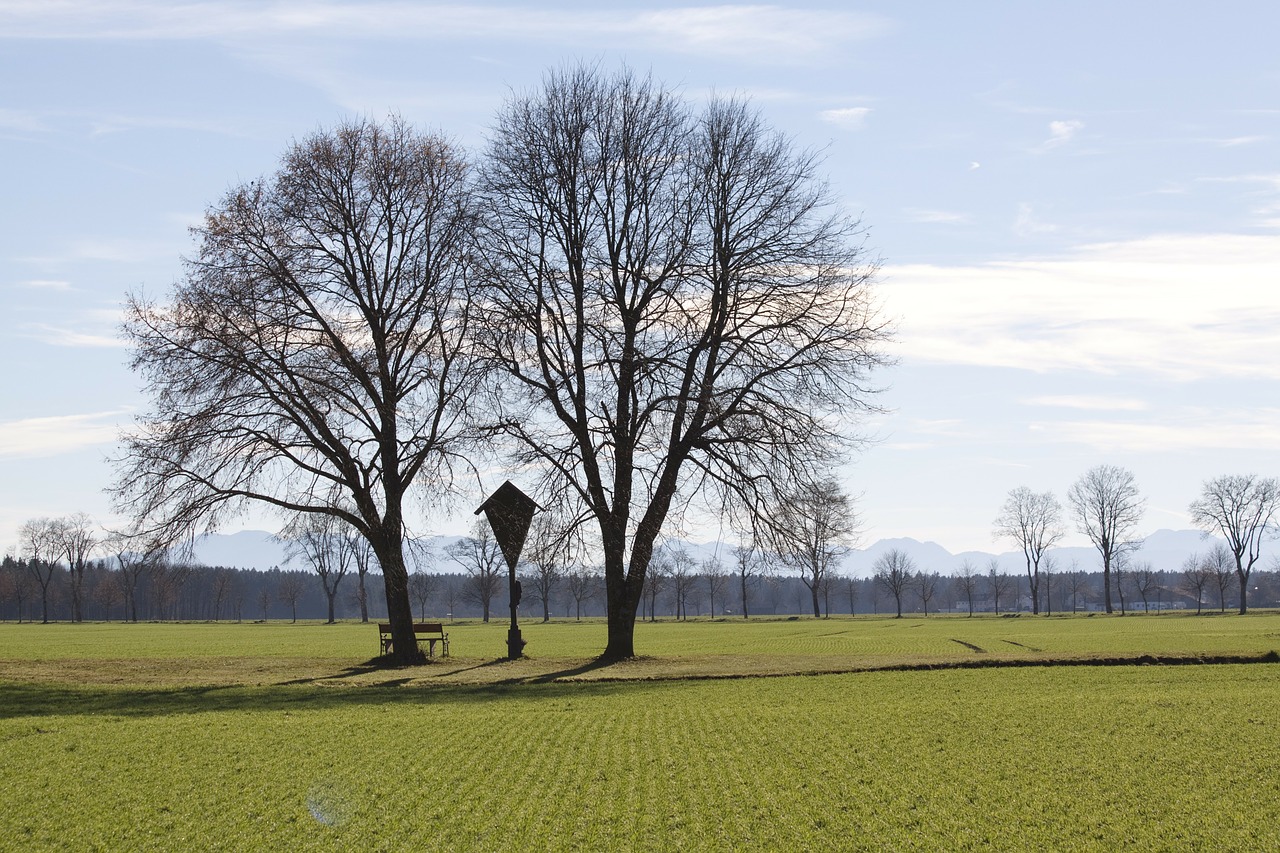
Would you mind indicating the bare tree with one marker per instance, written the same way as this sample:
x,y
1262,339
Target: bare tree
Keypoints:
x,y
422,586
893,572
108,592
1217,562
1034,521
264,599
749,564
583,585
1242,507
656,580
810,531
321,543
39,541
481,558
926,584
682,577
365,560
1077,585
851,589
290,590
676,306
1195,579
967,582
1107,506
223,580
999,585
314,359
73,539
1050,571
1146,580
717,583
547,550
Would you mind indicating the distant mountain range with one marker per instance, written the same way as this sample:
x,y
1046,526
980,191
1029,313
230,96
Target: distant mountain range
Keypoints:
x,y
1165,549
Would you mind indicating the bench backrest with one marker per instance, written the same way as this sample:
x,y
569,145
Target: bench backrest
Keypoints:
x,y
418,628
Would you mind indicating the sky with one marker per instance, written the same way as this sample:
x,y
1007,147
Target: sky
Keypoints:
x,y
1076,206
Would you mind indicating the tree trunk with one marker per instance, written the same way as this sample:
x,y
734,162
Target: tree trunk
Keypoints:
x,y
813,591
1244,591
331,596
388,548
364,598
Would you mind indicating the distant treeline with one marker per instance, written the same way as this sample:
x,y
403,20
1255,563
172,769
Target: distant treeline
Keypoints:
x,y
33,591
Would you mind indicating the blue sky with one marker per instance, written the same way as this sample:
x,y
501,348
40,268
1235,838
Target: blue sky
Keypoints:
x,y
1077,206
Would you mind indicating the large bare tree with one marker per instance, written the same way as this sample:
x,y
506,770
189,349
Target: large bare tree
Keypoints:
x,y
314,358
39,541
1242,507
1034,521
1107,506
675,303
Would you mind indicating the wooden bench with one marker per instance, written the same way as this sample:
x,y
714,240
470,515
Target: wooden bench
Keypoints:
x,y
432,632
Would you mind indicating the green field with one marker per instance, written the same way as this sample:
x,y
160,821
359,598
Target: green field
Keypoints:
x,y
275,736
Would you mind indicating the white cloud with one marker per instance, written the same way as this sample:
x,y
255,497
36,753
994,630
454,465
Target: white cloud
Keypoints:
x,y
21,121
1027,224
1198,430
59,337
45,284
1239,140
1179,306
1070,401
937,217
849,118
53,436
764,32
1061,132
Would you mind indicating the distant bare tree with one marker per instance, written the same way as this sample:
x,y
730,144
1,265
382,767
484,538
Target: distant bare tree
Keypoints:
x,y
38,539
1034,521
365,560
583,585
851,589
314,358
481,558
548,549
717,582
893,572
108,592
290,589
1242,507
676,304
1146,580
926,584
999,585
1195,579
422,586
1077,585
264,599
322,543
656,580
73,540
967,582
1049,568
222,581
1218,563
811,531
1107,506
749,564
682,577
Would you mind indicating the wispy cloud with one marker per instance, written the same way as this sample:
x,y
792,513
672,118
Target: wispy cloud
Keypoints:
x,y
44,284
1194,430
937,217
774,32
1179,306
1236,141
21,121
1027,224
62,337
1107,404
53,436
849,118
1062,132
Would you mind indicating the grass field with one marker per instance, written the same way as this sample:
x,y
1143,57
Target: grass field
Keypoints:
x,y
274,736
